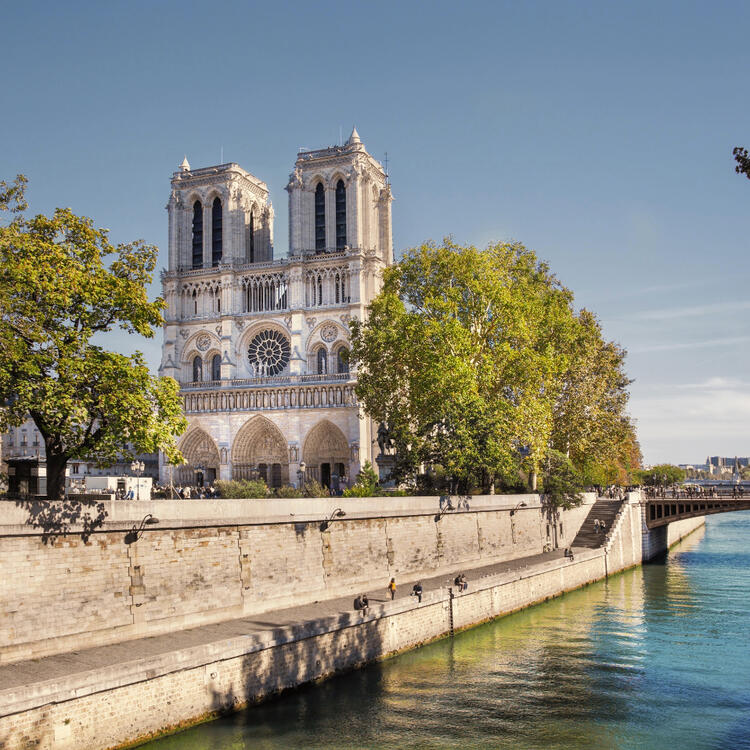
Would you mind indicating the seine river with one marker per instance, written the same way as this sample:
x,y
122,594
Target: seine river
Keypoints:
x,y
657,657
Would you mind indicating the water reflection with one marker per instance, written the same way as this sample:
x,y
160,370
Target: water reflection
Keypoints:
x,y
653,658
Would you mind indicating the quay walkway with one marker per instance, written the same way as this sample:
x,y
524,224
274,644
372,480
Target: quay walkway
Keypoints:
x,y
39,681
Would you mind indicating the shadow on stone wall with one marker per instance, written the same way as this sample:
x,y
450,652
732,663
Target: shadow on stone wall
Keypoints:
x,y
349,643
74,515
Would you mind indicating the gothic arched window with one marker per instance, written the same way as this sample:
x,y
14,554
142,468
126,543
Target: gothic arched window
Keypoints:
x,y
216,233
342,360
216,367
320,218
340,215
197,234
321,361
197,369
251,239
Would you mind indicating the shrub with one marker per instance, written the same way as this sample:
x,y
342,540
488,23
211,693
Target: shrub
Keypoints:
x,y
242,488
366,484
313,488
287,491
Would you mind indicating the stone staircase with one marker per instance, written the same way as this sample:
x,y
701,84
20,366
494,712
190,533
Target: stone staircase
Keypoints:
x,y
603,509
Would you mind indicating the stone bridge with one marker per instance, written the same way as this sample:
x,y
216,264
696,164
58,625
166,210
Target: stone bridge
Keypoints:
x,y
663,510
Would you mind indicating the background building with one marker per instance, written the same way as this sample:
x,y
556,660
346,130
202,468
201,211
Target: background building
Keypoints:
x,y
258,345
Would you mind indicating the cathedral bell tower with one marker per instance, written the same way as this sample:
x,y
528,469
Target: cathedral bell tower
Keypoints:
x,y
340,198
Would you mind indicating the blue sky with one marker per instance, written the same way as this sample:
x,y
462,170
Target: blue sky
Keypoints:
x,y
598,134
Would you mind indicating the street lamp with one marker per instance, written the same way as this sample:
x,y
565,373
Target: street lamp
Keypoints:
x,y
522,504
338,513
137,531
301,474
137,468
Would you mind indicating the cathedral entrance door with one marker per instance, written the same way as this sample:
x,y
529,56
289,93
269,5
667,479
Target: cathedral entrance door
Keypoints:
x,y
325,475
199,479
210,475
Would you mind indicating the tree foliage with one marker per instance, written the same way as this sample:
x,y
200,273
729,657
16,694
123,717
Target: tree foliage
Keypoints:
x,y
477,362
562,484
63,283
662,474
366,484
743,161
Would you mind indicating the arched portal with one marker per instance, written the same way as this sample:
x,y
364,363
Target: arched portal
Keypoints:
x,y
259,450
202,456
326,454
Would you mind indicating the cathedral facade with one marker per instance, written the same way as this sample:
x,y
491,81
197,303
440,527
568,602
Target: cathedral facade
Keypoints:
x,y
259,345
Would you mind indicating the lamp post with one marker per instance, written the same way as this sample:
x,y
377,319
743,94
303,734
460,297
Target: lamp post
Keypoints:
x,y
522,504
137,468
301,474
338,513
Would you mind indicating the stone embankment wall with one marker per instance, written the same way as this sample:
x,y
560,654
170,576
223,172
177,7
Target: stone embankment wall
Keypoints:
x,y
109,707
208,561
148,696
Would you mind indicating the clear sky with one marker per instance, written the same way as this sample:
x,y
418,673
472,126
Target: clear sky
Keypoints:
x,y
597,133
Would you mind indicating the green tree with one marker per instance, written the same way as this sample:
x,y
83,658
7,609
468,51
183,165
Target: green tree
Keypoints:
x,y
663,474
366,484
475,358
561,482
57,292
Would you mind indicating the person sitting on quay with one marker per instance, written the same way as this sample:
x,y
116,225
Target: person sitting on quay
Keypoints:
x,y
362,603
417,591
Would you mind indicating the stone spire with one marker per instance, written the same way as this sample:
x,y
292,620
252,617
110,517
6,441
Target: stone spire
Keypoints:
x,y
185,166
353,138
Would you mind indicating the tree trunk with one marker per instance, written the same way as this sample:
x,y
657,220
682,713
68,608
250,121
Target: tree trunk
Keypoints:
x,y
56,476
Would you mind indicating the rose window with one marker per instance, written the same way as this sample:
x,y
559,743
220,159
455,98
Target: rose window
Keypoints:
x,y
268,353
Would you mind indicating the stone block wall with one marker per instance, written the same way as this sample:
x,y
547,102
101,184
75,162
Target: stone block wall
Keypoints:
x,y
186,572
144,701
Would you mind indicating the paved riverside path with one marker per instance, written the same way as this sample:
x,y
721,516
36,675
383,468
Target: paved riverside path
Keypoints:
x,y
28,673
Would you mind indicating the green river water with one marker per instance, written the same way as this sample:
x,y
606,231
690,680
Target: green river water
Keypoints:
x,y
656,657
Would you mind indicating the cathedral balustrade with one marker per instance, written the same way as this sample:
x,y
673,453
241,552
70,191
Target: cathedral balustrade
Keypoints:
x,y
259,398
335,377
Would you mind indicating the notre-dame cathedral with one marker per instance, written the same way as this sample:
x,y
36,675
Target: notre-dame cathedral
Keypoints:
x,y
260,345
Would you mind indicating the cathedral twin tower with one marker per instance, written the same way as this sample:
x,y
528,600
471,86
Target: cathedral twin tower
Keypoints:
x,y
259,346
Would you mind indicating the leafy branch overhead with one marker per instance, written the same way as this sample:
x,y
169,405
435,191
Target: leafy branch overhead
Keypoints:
x,y
64,283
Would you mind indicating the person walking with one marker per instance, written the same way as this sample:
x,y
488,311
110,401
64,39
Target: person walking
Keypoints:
x,y
417,591
392,588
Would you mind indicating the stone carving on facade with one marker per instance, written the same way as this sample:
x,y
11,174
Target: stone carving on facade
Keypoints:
x,y
293,453
184,333
288,321
329,333
224,455
204,341
354,451
344,318
295,180
218,330
239,324
199,450
310,322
